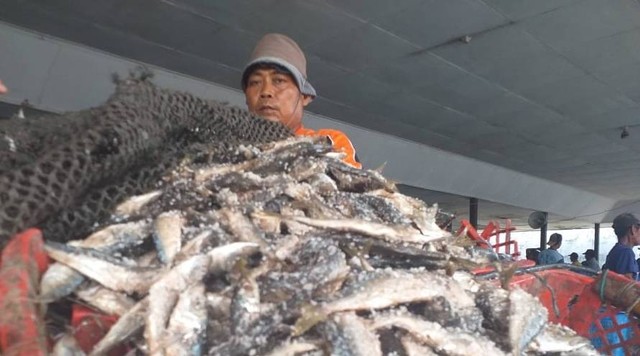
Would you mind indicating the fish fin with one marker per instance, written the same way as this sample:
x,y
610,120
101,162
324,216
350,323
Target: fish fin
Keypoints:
x,y
265,214
360,254
349,251
391,185
367,247
462,239
451,268
506,274
241,268
310,316
381,167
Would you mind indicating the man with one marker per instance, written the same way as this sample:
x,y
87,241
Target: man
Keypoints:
x,y
532,254
621,259
3,89
551,255
574,259
590,260
276,88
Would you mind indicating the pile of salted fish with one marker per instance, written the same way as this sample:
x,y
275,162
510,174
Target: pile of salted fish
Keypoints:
x,y
206,230
286,250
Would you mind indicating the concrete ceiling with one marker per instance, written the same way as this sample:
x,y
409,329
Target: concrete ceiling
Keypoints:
x,y
540,87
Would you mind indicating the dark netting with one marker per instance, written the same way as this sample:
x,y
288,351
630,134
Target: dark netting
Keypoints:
x,y
50,167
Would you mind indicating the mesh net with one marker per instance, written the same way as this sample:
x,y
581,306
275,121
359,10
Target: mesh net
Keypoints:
x,y
78,164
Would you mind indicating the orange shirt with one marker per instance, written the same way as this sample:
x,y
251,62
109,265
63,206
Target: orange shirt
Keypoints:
x,y
339,140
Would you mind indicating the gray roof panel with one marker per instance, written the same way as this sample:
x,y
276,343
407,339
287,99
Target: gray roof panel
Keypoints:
x,y
307,22
372,9
625,79
584,21
520,9
465,94
363,46
428,28
606,53
414,71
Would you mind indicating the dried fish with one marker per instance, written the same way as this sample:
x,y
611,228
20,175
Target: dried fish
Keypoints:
x,y
423,216
317,267
242,227
59,281
248,246
449,342
382,290
381,231
105,300
129,324
350,179
113,274
219,305
413,347
187,327
293,349
116,237
514,313
245,305
350,335
164,293
67,345
134,205
556,338
167,235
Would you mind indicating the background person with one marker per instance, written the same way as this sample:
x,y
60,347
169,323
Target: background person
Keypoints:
x,y
276,88
621,259
532,254
574,259
590,260
3,89
551,255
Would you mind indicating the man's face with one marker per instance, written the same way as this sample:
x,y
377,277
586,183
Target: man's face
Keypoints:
x,y
275,96
635,235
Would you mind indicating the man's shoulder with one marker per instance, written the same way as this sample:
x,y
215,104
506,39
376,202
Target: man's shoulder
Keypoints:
x,y
546,255
621,250
550,252
333,134
621,259
339,140
304,131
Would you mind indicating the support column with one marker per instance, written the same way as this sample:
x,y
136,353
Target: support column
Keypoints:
x,y
473,212
543,233
596,240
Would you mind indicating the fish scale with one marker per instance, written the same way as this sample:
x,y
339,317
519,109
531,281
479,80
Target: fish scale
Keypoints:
x,y
138,120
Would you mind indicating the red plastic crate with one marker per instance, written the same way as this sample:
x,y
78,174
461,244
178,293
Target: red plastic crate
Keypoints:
x,y
572,300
